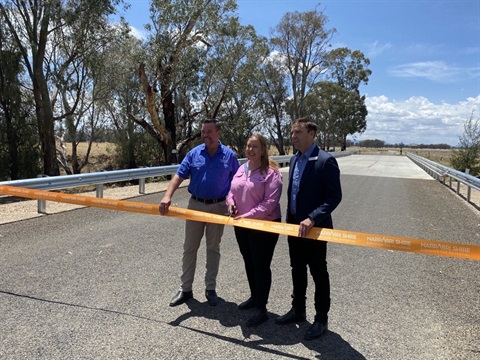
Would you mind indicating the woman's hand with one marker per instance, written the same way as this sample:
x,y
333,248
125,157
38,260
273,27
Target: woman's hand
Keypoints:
x,y
232,209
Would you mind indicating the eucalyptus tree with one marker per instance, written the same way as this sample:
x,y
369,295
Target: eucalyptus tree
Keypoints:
x,y
225,87
273,100
337,111
19,155
39,29
9,100
81,88
321,106
304,41
348,68
124,106
353,116
240,110
180,41
233,87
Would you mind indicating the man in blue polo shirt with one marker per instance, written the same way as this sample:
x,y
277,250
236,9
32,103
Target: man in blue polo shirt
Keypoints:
x,y
211,167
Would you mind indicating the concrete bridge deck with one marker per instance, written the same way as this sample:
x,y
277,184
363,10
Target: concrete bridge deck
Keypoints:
x,y
95,284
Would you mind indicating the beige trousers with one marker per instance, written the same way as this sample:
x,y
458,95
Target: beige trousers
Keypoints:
x,y
194,231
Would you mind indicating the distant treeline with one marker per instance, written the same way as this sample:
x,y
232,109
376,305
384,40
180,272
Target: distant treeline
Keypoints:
x,y
381,144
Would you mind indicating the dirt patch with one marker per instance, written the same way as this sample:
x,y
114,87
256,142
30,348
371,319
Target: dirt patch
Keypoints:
x,y
441,156
97,149
101,157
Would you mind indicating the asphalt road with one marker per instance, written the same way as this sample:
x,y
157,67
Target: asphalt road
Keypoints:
x,y
95,284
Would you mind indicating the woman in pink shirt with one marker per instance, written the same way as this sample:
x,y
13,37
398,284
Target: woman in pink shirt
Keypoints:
x,y
255,193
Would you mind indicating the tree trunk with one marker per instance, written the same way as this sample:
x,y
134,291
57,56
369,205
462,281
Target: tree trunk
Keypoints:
x,y
131,162
43,104
47,138
12,146
158,131
75,164
281,143
168,108
344,143
46,128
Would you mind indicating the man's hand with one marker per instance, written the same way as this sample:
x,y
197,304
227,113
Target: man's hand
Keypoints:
x,y
164,204
304,227
167,198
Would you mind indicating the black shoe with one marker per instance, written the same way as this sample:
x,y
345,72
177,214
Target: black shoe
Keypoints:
x,y
290,317
181,297
247,304
212,297
258,318
316,330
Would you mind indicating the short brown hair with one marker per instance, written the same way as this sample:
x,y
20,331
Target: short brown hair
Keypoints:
x,y
218,127
310,125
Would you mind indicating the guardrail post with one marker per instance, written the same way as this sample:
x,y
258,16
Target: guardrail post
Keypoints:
x,y
41,204
175,155
141,186
99,189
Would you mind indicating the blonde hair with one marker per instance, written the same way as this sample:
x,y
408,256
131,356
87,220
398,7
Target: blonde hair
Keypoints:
x,y
265,161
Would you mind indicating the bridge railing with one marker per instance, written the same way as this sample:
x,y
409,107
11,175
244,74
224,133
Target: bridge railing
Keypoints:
x,y
99,179
448,176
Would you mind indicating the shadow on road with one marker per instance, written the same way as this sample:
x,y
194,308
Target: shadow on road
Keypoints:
x,y
330,346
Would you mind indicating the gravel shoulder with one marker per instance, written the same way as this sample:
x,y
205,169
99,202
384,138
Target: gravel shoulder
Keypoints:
x,y
27,209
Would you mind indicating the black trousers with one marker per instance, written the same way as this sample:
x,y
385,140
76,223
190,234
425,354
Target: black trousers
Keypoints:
x,y
257,248
311,253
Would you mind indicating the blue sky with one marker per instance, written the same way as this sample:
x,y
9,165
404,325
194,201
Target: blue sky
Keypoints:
x,y
425,59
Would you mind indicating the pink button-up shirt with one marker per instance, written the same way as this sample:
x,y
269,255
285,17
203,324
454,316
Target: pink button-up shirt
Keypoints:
x,y
257,196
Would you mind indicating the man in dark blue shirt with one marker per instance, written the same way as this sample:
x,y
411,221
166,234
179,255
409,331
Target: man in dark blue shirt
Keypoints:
x,y
314,191
211,167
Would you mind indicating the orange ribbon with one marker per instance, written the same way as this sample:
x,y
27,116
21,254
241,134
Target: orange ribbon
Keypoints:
x,y
421,246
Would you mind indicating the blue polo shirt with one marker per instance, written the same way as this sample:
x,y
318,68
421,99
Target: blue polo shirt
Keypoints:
x,y
210,177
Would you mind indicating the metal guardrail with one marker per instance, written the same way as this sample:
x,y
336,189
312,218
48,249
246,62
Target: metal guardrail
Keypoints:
x,y
100,178
442,173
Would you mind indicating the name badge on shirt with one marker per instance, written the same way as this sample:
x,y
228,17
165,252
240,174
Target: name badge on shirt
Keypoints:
x,y
313,158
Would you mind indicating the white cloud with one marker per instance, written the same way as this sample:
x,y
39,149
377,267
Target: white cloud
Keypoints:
x,y
472,50
417,120
374,49
425,49
139,34
437,71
